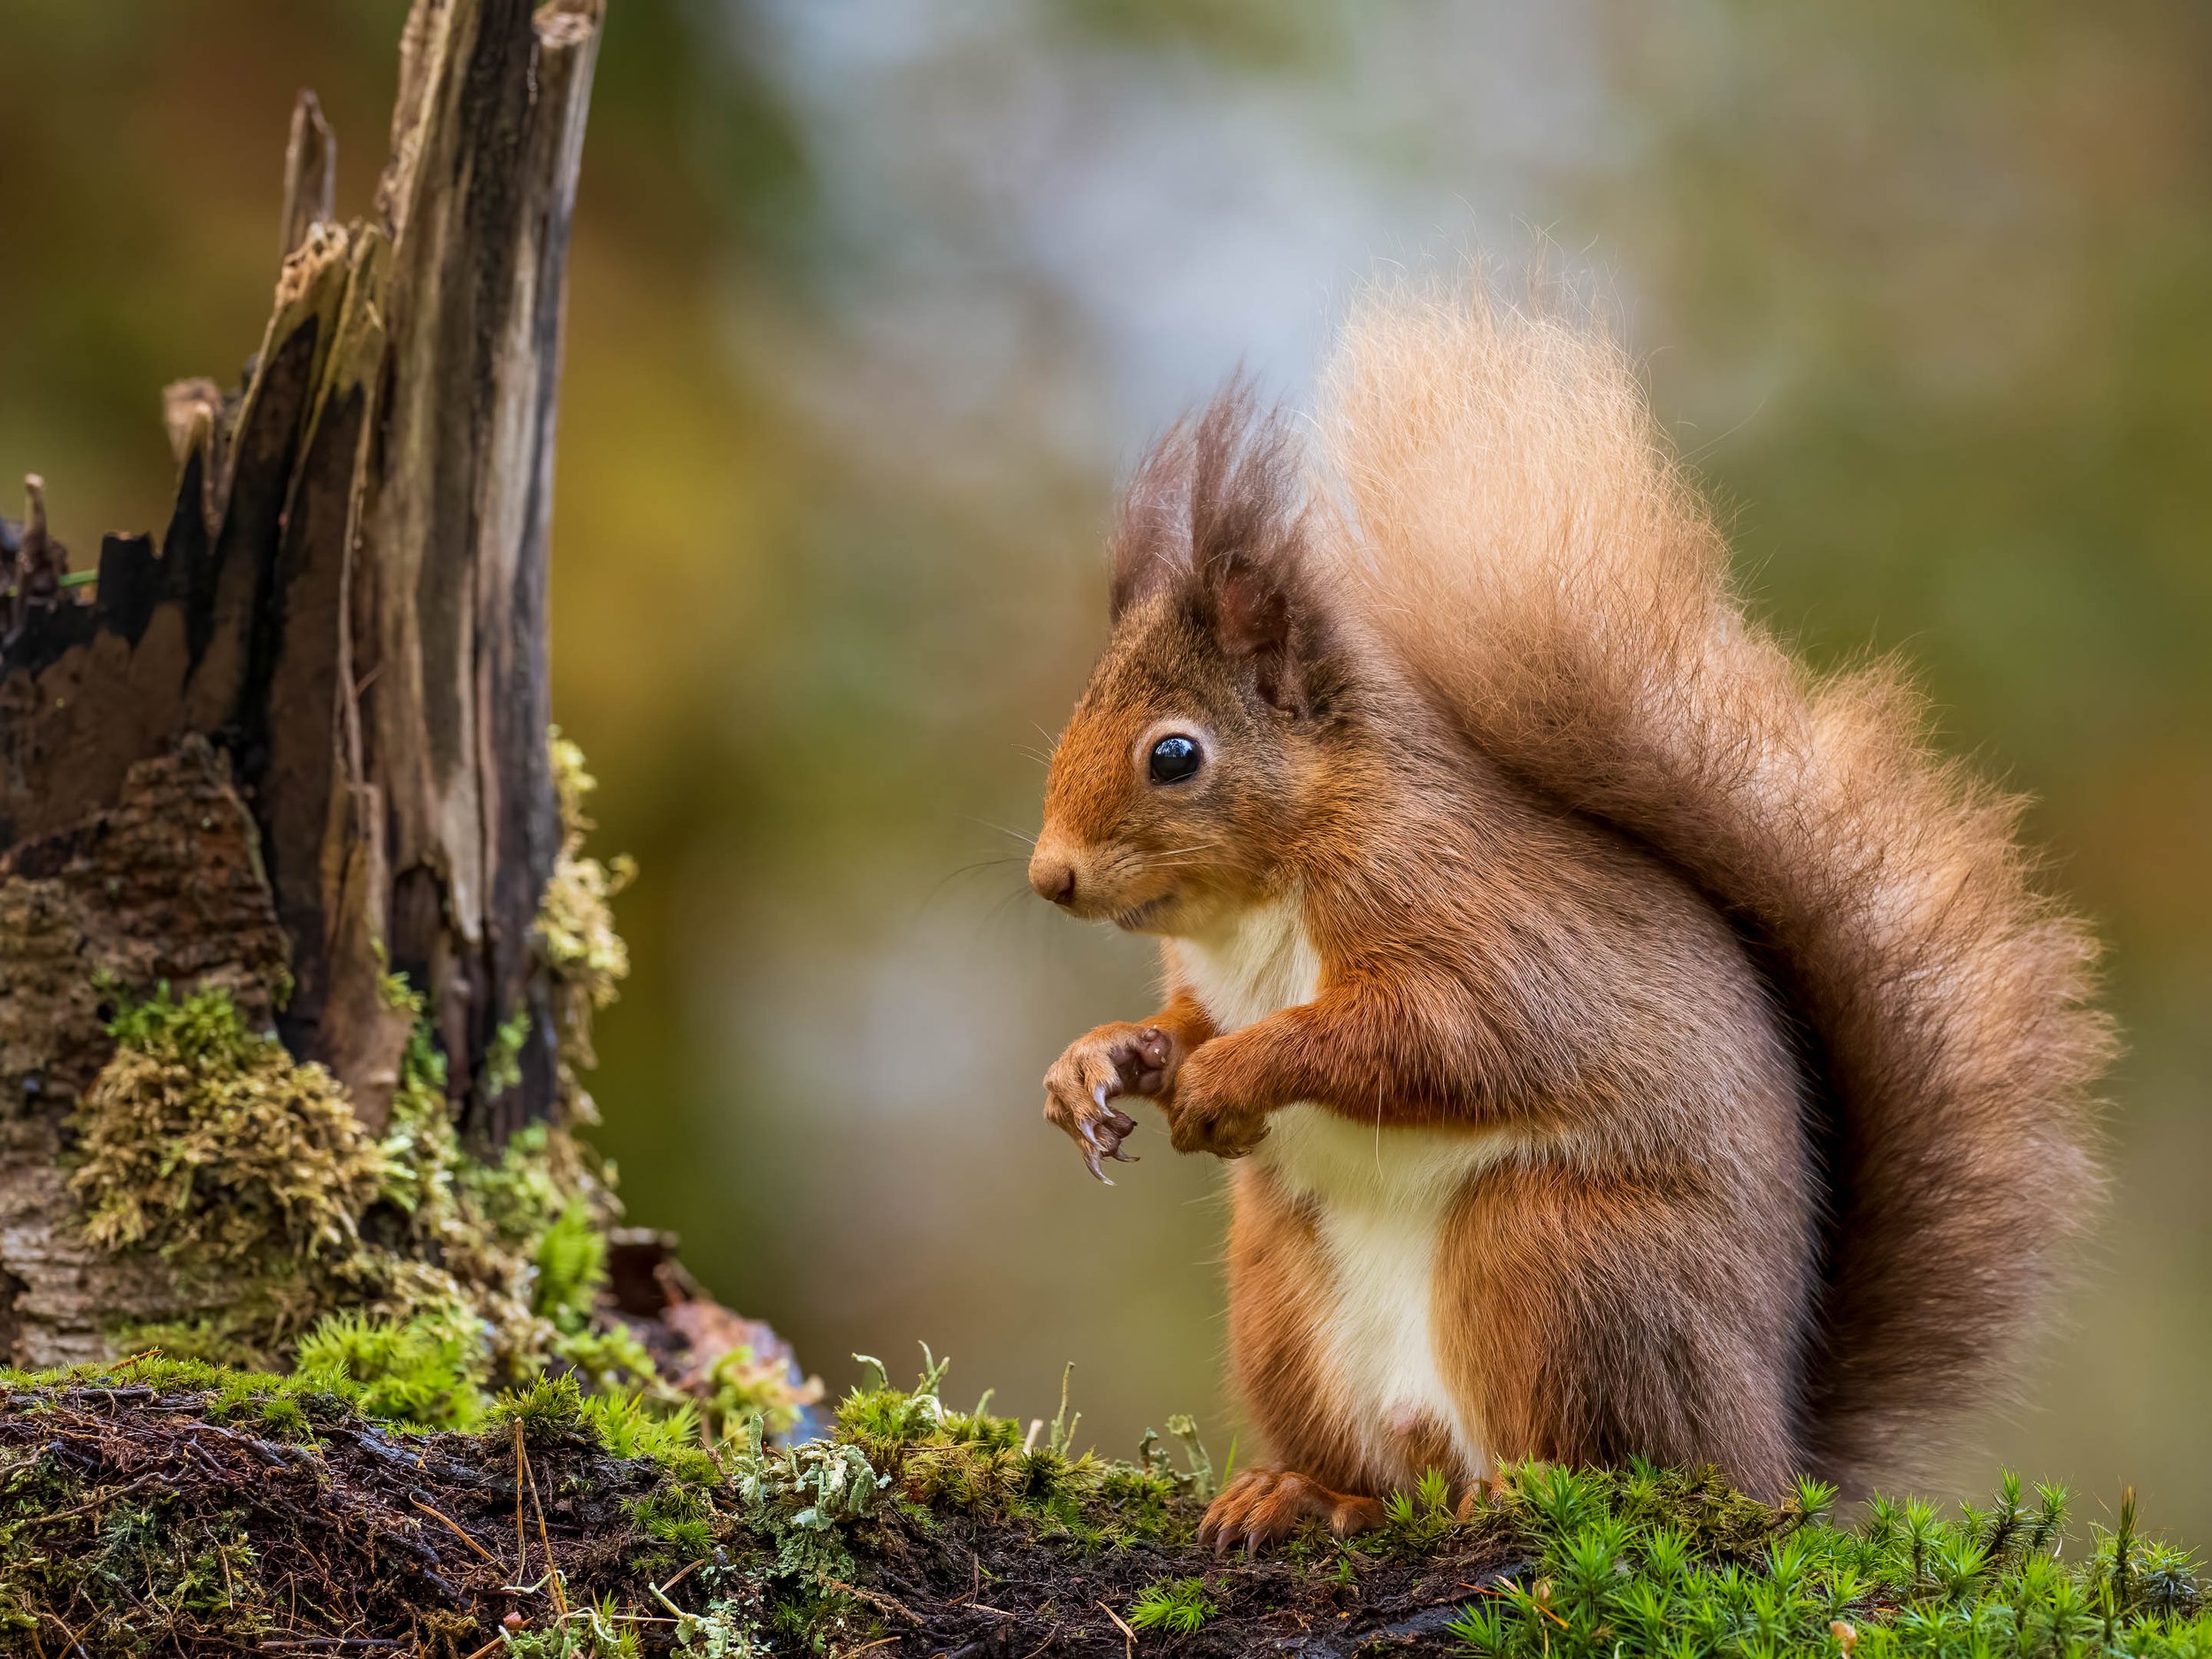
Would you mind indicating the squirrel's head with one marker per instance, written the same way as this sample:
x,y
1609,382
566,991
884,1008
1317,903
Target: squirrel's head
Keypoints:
x,y
1176,789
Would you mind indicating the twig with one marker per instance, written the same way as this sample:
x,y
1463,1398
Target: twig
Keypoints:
x,y
560,1597
117,1496
975,1581
522,1550
486,1648
875,1598
663,1589
75,1641
1128,1636
457,1530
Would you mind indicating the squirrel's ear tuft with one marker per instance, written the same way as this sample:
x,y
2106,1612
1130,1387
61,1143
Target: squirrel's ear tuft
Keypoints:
x,y
1152,538
1215,511
1216,489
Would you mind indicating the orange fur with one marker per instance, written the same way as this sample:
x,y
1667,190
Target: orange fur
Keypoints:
x,y
1726,1074
1275,1278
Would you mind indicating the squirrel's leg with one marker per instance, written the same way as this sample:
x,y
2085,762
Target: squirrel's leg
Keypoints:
x,y
1278,1300
1385,1058
1623,1312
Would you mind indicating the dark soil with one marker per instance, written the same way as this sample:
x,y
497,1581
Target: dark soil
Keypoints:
x,y
973,1591
129,1524
137,1522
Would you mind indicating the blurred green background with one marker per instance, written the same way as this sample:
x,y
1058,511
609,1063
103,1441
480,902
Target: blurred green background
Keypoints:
x,y
871,298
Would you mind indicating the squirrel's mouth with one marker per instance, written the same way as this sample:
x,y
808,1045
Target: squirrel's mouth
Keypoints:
x,y
1130,920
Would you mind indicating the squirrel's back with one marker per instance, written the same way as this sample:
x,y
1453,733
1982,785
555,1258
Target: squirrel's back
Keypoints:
x,y
1511,525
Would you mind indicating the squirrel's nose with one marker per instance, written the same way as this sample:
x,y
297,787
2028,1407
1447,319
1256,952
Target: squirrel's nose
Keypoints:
x,y
1054,878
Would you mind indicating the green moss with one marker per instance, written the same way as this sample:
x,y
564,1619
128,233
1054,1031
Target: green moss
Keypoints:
x,y
1422,1518
1641,1561
283,1417
571,1264
571,1268
680,1518
229,1388
1648,1561
421,1148
502,1055
248,1331
976,1464
611,1361
422,1373
111,1566
210,1145
504,1257
744,1388
549,1408
631,1426
1178,1606
426,1275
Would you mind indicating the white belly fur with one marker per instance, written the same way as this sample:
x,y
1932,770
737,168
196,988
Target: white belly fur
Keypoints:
x,y
1381,1198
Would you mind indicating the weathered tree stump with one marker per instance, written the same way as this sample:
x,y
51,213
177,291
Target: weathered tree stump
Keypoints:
x,y
298,743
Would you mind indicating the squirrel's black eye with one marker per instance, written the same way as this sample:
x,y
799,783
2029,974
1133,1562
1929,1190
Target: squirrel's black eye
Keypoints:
x,y
1174,759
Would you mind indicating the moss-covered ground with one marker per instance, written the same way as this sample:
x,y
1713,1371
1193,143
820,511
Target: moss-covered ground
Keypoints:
x,y
161,1507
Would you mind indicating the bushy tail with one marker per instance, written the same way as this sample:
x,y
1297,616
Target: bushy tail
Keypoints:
x,y
1517,529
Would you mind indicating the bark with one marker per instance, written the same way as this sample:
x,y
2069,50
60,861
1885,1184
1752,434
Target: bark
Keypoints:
x,y
300,738
164,885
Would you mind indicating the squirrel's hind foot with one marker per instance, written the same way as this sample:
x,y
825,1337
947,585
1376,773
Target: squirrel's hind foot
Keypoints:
x,y
1263,1506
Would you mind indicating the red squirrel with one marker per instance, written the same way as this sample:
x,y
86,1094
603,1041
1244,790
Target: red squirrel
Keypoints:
x,y
1627,1041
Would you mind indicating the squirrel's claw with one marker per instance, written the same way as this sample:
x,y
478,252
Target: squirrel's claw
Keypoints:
x,y
1101,1137
1082,1086
1263,1506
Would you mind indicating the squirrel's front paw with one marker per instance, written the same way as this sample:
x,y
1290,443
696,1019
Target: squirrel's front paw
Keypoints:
x,y
1204,1117
1099,1068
